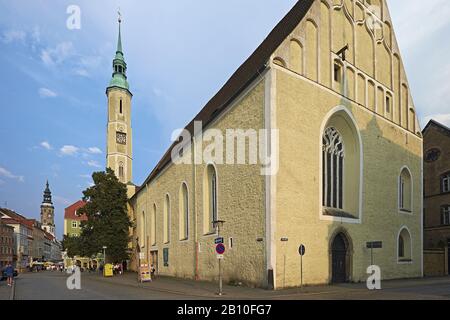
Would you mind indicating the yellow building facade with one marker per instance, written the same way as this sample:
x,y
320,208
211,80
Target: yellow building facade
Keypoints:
x,y
329,88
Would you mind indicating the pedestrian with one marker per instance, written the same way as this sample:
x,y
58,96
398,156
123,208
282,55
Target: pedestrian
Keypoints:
x,y
9,270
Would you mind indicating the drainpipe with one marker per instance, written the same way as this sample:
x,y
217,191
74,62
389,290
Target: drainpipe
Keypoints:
x,y
194,206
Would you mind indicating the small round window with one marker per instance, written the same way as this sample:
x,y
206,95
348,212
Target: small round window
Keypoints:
x,y
432,155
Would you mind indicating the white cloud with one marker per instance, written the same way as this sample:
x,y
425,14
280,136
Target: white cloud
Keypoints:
x,y
82,72
69,150
7,174
54,56
94,164
441,118
46,145
86,176
13,35
47,93
94,150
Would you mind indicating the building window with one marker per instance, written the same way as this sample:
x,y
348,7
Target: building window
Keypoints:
x,y
210,199
184,213
388,104
332,169
405,191
404,246
432,155
337,72
166,232
74,224
445,215
445,183
121,172
120,107
153,226
143,229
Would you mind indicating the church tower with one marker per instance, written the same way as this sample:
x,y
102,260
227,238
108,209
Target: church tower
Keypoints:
x,y
119,155
48,212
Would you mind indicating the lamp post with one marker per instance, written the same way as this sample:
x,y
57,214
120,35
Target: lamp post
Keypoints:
x,y
104,255
218,224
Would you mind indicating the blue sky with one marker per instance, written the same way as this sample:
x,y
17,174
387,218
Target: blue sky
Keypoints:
x,y
179,53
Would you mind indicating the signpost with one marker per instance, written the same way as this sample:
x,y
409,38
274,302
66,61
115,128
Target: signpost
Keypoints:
x,y
374,245
220,249
301,252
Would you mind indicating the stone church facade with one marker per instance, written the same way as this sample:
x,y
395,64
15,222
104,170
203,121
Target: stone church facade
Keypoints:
x,y
329,87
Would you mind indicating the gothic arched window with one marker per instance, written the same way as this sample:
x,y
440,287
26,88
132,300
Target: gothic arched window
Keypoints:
x,y
333,153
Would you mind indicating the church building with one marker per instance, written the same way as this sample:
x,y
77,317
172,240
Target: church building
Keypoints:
x,y
329,89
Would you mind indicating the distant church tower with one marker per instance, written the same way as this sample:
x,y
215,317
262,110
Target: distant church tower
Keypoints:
x,y
48,212
119,155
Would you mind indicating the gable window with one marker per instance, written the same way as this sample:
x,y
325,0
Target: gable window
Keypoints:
x,y
332,169
445,215
405,191
445,183
388,104
337,72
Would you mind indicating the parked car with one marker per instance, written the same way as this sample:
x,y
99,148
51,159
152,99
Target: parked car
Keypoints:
x,y
16,273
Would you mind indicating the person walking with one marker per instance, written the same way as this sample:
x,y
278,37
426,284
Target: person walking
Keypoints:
x,y
9,270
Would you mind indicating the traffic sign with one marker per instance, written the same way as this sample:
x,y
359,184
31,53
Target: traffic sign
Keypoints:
x,y
220,256
220,248
302,250
218,240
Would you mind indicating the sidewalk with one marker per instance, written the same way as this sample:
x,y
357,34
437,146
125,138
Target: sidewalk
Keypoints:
x,y
5,291
392,289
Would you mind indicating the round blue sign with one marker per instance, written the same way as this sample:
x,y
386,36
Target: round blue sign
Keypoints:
x,y
220,248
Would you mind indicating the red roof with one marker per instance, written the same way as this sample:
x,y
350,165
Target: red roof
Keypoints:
x,y
70,212
15,218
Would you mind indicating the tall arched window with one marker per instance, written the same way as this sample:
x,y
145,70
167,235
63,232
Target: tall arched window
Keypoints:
x,y
153,226
333,168
166,232
184,213
405,191
143,230
210,199
404,253
121,172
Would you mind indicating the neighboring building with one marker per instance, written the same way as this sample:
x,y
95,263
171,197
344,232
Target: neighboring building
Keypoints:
x,y
437,197
38,242
23,237
6,245
48,212
329,87
72,228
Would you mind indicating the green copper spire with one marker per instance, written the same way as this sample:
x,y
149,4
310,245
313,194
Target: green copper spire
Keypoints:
x,y
119,76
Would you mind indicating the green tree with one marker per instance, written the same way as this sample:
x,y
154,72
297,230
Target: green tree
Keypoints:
x,y
108,222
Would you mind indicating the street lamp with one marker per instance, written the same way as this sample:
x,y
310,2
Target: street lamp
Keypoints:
x,y
218,224
104,255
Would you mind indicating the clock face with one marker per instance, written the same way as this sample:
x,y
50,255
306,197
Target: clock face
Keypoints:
x,y
121,138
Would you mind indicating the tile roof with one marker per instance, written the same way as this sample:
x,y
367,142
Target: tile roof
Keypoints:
x,y
70,212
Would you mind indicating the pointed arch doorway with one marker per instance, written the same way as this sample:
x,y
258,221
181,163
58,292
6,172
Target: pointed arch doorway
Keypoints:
x,y
340,258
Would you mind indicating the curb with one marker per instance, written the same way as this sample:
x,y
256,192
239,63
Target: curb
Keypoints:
x,y
13,290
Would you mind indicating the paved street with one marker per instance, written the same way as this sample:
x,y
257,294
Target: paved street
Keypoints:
x,y
52,286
